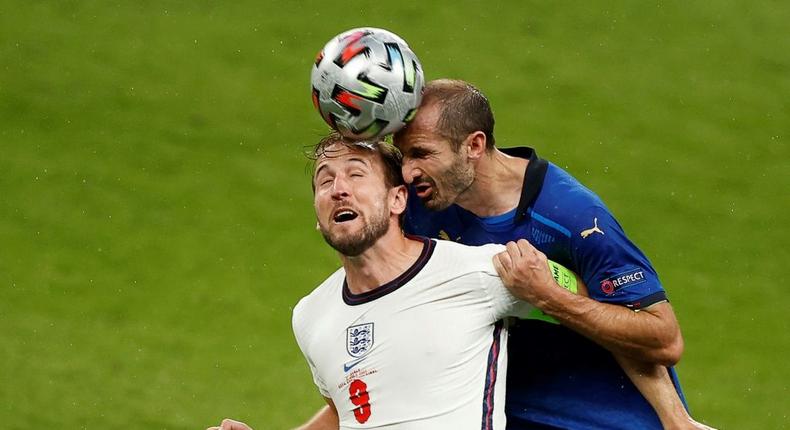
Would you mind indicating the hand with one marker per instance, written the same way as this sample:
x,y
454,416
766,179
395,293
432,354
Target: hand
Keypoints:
x,y
699,426
228,424
687,423
525,272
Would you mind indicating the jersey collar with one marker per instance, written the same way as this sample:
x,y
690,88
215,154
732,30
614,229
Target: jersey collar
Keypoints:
x,y
533,178
352,299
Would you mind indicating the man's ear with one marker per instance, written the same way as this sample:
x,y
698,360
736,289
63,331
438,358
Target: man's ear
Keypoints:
x,y
398,197
475,145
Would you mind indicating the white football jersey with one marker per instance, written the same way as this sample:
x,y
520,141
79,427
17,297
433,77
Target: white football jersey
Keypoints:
x,y
425,351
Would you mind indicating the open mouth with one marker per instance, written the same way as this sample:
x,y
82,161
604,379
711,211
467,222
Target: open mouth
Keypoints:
x,y
423,190
344,215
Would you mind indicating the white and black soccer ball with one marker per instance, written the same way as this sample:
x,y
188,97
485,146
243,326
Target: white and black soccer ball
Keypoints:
x,y
367,83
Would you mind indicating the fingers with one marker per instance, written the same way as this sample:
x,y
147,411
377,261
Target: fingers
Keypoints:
x,y
699,425
514,250
522,248
504,261
527,250
522,253
229,424
502,264
532,254
519,255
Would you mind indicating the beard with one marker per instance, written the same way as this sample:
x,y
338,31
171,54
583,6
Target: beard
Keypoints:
x,y
457,179
354,244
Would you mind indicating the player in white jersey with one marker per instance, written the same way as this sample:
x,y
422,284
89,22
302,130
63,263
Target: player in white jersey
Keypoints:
x,y
426,350
409,333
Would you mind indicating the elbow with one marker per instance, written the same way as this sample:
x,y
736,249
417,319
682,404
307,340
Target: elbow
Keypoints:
x,y
663,349
669,352
667,341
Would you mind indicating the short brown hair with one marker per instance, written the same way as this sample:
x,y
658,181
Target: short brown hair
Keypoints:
x,y
464,110
390,156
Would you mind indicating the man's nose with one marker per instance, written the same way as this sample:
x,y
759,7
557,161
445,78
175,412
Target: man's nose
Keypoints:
x,y
340,188
410,171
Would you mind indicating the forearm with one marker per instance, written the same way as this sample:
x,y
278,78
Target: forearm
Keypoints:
x,y
325,419
651,335
653,381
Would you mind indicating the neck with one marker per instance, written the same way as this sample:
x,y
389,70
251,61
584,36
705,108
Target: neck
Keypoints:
x,y
496,188
387,259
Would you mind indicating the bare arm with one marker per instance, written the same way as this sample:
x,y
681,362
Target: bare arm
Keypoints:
x,y
651,335
654,383
652,380
229,424
325,419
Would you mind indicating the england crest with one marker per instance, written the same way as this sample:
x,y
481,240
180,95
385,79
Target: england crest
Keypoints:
x,y
359,339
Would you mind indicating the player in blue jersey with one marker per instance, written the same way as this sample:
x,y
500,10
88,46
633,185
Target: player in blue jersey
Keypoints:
x,y
328,418
564,370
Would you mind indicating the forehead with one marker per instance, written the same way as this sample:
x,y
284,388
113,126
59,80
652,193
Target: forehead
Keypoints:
x,y
338,153
427,116
422,129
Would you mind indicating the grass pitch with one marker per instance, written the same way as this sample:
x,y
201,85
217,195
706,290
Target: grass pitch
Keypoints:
x,y
155,210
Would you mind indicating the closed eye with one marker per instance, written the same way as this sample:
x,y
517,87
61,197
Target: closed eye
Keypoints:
x,y
325,180
419,153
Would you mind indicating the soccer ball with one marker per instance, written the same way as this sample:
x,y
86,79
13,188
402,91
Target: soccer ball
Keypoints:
x,y
367,83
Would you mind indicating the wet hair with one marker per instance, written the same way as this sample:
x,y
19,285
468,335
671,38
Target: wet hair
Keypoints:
x,y
389,155
464,109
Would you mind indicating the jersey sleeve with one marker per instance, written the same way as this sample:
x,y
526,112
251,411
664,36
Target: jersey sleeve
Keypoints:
x,y
503,303
612,267
300,333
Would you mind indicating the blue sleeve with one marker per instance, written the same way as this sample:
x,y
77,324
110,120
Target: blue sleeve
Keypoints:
x,y
612,267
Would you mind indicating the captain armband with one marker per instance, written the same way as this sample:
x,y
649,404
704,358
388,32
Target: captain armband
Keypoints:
x,y
564,277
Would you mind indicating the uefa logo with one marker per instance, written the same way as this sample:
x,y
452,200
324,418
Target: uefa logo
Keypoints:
x,y
607,286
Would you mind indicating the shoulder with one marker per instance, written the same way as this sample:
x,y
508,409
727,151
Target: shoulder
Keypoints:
x,y
567,203
564,189
311,304
461,250
466,258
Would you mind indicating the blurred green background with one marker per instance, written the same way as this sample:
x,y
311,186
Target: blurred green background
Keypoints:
x,y
156,221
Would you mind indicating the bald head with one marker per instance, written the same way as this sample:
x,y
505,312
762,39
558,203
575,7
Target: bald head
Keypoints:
x,y
461,109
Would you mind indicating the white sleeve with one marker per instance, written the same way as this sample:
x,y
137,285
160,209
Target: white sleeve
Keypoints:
x,y
503,303
300,334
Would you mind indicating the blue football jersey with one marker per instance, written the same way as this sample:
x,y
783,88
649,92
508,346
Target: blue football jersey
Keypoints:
x,y
556,377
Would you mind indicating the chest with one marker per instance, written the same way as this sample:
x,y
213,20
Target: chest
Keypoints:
x,y
547,236
400,352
